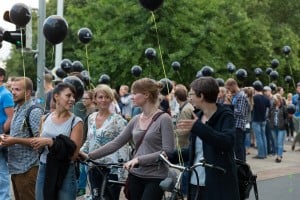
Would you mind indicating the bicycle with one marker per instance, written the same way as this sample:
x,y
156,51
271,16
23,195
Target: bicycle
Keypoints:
x,y
105,192
172,184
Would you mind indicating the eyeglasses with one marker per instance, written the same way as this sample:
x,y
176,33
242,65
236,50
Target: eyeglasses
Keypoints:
x,y
191,93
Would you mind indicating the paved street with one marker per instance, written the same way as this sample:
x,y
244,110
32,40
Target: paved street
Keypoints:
x,y
277,180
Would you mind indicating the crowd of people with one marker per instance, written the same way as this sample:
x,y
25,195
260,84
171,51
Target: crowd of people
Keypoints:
x,y
40,147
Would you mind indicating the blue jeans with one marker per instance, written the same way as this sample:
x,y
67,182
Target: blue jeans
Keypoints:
x,y
82,177
278,136
4,176
270,139
67,191
259,129
248,138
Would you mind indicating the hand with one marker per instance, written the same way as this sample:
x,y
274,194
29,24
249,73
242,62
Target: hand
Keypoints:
x,y
40,142
131,164
82,156
186,125
6,140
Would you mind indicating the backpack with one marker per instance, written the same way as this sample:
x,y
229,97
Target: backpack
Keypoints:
x,y
27,121
246,180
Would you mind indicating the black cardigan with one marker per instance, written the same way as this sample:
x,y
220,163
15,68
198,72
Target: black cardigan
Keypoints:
x,y
58,162
218,136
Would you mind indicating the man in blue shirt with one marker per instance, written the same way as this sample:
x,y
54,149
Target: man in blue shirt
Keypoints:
x,y
6,114
296,117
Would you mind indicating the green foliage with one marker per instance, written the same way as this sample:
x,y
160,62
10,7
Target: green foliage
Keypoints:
x,y
194,32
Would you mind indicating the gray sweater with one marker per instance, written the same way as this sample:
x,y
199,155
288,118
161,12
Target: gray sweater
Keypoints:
x,y
159,137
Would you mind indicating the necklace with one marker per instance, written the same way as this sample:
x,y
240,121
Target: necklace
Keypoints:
x,y
146,117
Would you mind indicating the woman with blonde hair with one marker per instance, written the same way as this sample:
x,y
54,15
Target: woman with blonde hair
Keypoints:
x,y
102,127
278,119
249,91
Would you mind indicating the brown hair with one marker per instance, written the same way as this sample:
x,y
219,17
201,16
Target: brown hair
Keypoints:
x,y
181,92
147,85
206,86
28,85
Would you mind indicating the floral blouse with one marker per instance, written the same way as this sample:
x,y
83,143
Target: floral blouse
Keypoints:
x,y
110,129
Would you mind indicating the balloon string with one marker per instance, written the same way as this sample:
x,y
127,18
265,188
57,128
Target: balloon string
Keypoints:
x,y
160,52
87,64
288,63
23,61
179,76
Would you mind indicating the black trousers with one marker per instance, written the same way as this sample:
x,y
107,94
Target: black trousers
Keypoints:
x,y
144,188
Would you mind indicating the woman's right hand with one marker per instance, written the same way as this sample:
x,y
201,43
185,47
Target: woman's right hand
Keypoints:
x,y
82,156
40,142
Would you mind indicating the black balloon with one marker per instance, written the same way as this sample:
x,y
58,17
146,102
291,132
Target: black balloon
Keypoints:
x,y
151,4
230,67
207,71
175,65
220,82
274,63
288,79
273,86
166,86
136,70
258,71
85,35
291,109
60,73
66,65
241,74
257,85
55,29
150,53
86,77
274,75
77,66
199,74
286,50
269,70
20,14
104,79
78,85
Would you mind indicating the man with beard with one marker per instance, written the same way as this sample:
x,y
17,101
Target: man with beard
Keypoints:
x,y
22,158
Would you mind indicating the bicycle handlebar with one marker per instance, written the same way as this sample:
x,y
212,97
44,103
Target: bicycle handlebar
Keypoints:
x,y
107,165
182,168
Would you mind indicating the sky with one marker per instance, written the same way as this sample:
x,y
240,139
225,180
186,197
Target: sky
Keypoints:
x,y
7,5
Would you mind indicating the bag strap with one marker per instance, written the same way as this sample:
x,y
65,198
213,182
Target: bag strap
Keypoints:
x,y
154,118
27,118
255,190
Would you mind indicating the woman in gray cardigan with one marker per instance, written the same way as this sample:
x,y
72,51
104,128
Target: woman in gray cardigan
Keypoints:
x,y
143,181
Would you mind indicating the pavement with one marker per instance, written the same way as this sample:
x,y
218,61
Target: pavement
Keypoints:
x,y
274,180
268,168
